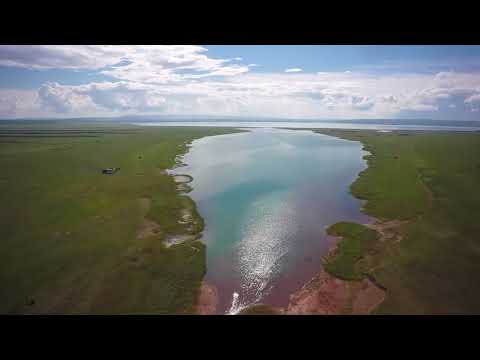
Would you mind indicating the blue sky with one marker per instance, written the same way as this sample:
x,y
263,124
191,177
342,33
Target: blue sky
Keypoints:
x,y
323,82
313,58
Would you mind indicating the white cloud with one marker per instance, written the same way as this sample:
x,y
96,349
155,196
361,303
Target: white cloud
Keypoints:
x,y
473,102
101,97
185,80
389,99
293,70
18,103
331,95
362,102
61,56
473,99
144,63
63,99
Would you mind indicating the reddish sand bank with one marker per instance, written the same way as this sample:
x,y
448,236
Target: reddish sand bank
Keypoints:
x,y
323,295
327,295
207,300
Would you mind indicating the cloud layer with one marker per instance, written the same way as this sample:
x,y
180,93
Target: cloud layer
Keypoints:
x,y
185,80
293,70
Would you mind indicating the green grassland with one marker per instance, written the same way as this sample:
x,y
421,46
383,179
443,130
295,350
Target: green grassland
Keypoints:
x,y
431,181
69,233
357,240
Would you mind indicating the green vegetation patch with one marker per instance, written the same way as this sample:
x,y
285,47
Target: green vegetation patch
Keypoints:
x,y
357,240
153,279
70,235
430,179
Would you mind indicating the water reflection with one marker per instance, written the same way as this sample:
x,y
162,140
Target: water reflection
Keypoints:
x,y
266,197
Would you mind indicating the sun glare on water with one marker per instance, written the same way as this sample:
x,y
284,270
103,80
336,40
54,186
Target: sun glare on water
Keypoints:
x,y
270,224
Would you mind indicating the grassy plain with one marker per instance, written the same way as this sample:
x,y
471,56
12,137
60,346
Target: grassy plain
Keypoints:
x,y
69,234
356,241
430,180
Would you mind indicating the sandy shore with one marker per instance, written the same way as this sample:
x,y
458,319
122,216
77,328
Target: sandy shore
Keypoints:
x,y
207,300
327,295
182,178
324,294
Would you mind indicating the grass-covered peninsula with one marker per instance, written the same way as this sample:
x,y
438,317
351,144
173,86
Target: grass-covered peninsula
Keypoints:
x,y
423,189
77,241
357,241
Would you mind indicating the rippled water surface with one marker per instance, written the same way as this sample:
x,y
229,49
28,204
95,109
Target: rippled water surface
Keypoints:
x,y
266,196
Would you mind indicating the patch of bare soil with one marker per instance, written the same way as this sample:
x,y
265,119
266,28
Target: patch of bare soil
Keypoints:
x,y
366,299
323,295
182,179
148,227
327,295
207,300
388,229
177,239
186,217
184,188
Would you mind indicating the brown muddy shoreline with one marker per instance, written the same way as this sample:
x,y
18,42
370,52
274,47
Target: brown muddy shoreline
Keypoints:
x,y
327,295
207,301
324,294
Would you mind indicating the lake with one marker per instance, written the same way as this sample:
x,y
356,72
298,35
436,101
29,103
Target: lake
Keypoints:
x,y
267,196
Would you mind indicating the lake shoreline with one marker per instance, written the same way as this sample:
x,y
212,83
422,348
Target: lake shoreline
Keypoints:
x,y
322,294
326,294
364,295
206,299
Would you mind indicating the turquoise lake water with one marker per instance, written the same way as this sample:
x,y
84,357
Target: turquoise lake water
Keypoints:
x,y
267,196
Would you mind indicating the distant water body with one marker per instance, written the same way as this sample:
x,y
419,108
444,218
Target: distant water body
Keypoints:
x,y
308,125
267,196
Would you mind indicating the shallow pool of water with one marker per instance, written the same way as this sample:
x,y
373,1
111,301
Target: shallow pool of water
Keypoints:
x,y
267,196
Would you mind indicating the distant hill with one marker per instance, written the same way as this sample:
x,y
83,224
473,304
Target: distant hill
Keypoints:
x,y
424,122
159,118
